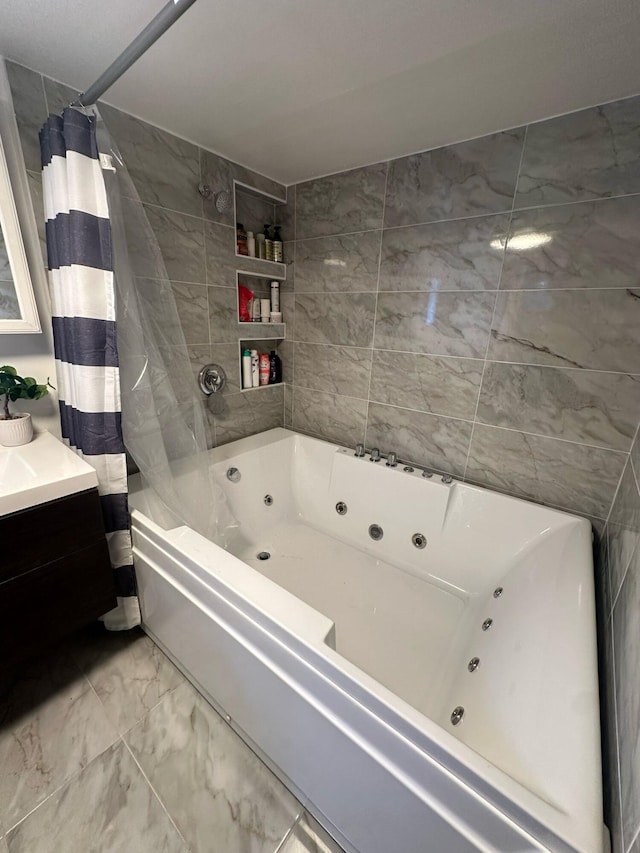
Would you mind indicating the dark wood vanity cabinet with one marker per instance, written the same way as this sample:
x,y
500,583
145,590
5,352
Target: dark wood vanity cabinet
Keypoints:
x,y
55,574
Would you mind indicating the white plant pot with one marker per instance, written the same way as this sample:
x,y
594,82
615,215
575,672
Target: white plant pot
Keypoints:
x,y
18,430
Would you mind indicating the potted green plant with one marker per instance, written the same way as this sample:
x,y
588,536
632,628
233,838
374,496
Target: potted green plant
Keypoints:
x,y
16,428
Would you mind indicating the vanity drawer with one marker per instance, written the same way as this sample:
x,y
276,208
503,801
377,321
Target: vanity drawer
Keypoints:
x,y
45,532
43,605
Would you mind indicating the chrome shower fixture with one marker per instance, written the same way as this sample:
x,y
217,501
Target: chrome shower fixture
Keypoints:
x,y
223,200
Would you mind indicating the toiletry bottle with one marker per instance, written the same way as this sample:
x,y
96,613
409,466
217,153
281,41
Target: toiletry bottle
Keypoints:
x,y
275,368
261,248
255,310
265,368
247,381
265,310
277,244
251,244
275,296
241,237
268,244
255,375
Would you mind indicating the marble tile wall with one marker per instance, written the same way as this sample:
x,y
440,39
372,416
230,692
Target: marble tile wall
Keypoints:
x,y
197,242
476,309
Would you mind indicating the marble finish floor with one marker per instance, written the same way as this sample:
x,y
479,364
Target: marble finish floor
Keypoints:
x,y
105,746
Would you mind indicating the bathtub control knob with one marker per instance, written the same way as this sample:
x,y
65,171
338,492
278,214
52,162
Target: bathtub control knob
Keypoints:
x,y
375,454
359,451
456,715
392,460
447,478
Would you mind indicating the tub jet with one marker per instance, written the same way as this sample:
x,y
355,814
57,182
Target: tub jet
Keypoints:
x,y
263,555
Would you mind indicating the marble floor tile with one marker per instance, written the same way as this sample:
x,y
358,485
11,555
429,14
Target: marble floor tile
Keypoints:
x,y
219,794
449,323
344,263
572,476
128,672
342,203
308,836
248,413
588,154
108,808
626,630
566,328
591,407
591,244
340,318
467,179
181,242
464,254
428,440
331,416
30,110
339,370
52,725
164,168
623,529
427,383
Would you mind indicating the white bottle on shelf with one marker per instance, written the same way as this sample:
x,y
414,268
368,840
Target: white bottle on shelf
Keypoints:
x,y
251,244
255,369
247,379
275,296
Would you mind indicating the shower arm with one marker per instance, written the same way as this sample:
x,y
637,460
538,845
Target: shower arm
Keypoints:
x,y
157,27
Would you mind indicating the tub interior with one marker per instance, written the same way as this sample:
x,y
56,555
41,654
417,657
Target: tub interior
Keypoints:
x,y
496,580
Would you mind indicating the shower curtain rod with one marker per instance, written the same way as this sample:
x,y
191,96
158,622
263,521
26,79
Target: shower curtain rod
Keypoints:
x,y
165,18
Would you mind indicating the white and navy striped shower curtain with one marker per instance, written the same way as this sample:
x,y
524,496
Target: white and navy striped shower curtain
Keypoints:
x,y
84,327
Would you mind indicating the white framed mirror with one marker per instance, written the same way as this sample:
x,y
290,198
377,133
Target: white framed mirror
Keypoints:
x,y
18,311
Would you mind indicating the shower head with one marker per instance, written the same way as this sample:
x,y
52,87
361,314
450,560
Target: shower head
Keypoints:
x,y
223,200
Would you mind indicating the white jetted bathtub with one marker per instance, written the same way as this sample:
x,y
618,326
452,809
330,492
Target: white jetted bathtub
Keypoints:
x,y
433,688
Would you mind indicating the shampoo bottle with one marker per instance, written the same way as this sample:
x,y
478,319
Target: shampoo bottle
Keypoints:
x,y
251,244
268,244
275,368
247,381
265,368
255,376
277,244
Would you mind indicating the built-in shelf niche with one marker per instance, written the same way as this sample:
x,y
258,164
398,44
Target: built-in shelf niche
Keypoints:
x,y
254,209
262,345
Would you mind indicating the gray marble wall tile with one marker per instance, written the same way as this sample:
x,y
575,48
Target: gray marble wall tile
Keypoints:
x,y
30,110
288,406
5,267
339,370
635,455
623,529
626,630
220,244
34,180
108,807
463,254
58,95
254,212
249,413
339,318
427,383
286,351
286,214
595,329
223,315
466,179
335,418
344,263
227,356
157,301
181,242
9,306
52,725
447,323
217,791
610,746
192,304
165,169
589,154
547,470
220,174
591,244
419,437
587,406
309,837
128,672
341,203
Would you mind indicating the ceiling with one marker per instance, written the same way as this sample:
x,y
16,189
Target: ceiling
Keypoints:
x,y
300,88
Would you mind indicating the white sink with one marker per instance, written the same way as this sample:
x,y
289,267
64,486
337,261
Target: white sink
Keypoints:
x,y
41,471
